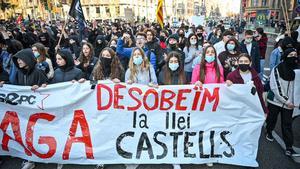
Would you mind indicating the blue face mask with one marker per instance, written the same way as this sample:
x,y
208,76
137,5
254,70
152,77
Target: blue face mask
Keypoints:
x,y
209,59
138,60
230,47
173,66
36,54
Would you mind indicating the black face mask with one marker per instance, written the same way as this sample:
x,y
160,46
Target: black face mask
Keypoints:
x,y
181,35
244,67
162,38
113,48
173,46
199,35
291,61
106,61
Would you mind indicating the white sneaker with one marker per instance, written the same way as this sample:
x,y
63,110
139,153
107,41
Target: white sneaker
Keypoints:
x,y
210,164
60,166
28,165
100,166
176,166
131,166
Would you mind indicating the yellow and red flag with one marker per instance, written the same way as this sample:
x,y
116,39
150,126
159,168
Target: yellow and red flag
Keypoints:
x,y
160,14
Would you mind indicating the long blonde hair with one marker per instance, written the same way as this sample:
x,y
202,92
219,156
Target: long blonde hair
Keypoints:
x,y
145,66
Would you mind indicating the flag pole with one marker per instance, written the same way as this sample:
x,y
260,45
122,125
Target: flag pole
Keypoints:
x,y
287,18
62,32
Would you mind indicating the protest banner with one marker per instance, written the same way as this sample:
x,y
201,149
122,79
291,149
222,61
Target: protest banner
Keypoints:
x,y
131,124
297,93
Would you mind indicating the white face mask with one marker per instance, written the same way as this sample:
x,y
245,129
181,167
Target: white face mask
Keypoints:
x,y
193,42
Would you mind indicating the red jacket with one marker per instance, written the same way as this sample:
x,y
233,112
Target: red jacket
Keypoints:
x,y
236,78
262,43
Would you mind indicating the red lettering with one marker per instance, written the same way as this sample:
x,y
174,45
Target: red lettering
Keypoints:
x,y
196,100
139,103
167,100
99,97
148,92
117,96
214,97
50,141
180,98
13,119
79,118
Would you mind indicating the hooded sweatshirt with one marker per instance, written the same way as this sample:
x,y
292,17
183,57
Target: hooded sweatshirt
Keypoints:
x,y
32,75
67,72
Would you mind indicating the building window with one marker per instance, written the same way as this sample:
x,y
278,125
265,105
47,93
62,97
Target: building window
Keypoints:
x,y
264,2
254,3
97,9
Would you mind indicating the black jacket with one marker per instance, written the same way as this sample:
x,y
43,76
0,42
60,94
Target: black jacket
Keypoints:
x,y
89,69
32,75
255,55
68,72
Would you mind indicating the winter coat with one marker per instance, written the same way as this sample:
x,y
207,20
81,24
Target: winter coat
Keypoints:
x,y
236,78
32,75
210,74
67,73
255,55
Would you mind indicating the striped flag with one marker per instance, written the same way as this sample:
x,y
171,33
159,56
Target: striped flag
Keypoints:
x,y
160,14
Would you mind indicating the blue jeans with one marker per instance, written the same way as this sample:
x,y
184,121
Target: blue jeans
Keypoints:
x,y
262,66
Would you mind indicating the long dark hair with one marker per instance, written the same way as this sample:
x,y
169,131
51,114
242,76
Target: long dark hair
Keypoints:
x,y
237,45
203,65
168,71
84,59
116,66
188,43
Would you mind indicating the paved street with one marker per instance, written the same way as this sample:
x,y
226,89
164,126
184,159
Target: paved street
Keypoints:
x,y
270,154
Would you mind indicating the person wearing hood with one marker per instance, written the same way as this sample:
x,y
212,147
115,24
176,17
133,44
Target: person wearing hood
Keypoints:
x,y
66,70
100,44
172,42
246,74
74,45
281,100
27,73
140,42
182,36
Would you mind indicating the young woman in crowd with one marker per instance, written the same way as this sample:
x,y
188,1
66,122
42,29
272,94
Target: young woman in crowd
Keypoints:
x,y
113,44
173,72
108,67
216,36
41,56
66,70
140,70
229,57
197,60
246,74
86,60
191,50
281,100
208,71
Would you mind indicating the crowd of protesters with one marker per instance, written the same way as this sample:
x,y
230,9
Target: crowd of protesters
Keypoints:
x,y
37,54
